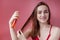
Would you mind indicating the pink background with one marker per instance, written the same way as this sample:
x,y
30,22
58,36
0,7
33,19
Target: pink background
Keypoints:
x,y
7,7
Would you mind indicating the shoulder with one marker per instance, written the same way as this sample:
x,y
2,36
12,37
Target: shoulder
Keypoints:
x,y
55,31
56,28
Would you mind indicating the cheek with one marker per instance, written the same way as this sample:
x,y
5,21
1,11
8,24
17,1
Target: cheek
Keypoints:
x,y
47,16
38,16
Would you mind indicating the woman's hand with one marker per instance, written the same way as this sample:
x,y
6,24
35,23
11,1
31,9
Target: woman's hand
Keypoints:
x,y
20,35
13,19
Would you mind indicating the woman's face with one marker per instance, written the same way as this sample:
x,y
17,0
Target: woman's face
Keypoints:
x,y
42,14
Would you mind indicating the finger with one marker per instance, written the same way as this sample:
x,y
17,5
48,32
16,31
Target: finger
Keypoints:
x,y
12,19
14,23
16,13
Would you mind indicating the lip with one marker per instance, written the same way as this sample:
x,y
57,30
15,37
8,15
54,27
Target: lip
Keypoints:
x,y
42,17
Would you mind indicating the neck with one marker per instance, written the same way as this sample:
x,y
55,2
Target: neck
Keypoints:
x,y
43,25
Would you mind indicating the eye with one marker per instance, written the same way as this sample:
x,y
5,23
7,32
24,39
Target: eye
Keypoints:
x,y
46,11
39,12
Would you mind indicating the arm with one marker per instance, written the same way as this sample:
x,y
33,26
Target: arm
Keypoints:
x,y
12,23
19,36
59,33
13,34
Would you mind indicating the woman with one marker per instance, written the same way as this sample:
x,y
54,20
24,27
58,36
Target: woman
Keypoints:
x,y
41,27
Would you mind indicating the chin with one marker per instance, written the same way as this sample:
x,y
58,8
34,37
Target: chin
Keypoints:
x,y
43,21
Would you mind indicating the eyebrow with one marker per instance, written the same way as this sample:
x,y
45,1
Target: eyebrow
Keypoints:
x,y
45,10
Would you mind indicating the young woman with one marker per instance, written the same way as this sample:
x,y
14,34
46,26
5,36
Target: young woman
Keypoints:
x,y
41,27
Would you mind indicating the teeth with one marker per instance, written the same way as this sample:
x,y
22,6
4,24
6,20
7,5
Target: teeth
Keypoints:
x,y
43,18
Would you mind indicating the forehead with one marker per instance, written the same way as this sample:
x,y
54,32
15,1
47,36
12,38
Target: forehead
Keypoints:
x,y
42,7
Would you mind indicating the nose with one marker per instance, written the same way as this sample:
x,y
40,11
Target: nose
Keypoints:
x,y
42,14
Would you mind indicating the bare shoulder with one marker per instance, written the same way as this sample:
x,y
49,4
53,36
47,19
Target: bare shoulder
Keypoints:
x,y
55,31
56,28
